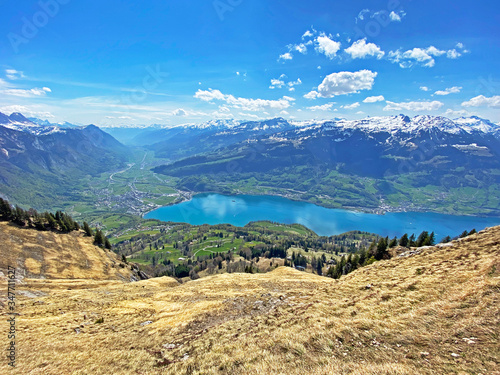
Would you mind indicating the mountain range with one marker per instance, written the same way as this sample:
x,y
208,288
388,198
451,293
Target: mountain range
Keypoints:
x,y
395,162
41,163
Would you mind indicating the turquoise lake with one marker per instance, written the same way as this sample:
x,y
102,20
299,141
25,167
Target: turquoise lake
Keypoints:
x,y
242,209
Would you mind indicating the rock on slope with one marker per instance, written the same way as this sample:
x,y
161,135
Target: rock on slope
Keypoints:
x,y
431,313
49,255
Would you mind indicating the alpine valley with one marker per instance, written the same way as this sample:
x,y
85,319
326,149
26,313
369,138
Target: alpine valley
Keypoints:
x,y
377,164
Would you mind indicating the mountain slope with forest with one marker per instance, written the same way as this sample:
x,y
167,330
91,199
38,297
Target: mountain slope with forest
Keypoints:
x,y
420,163
41,164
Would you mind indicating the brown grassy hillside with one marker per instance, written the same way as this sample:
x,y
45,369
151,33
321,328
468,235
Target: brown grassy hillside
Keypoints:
x,y
432,313
50,255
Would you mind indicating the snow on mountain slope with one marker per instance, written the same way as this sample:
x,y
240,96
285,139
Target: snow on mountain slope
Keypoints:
x,y
16,121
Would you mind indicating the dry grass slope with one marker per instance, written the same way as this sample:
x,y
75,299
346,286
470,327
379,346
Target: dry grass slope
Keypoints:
x,y
432,313
49,255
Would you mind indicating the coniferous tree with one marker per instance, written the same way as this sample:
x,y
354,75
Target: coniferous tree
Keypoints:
x,y
87,230
404,241
393,243
99,238
107,244
422,239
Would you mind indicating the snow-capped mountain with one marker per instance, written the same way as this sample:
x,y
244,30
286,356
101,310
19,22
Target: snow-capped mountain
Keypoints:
x,y
406,125
63,124
16,121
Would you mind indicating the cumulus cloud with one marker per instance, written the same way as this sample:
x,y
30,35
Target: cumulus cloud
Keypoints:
x,y
448,91
277,83
351,106
483,101
424,88
179,112
374,99
343,83
280,83
420,56
424,106
324,107
252,105
307,34
361,50
286,56
327,46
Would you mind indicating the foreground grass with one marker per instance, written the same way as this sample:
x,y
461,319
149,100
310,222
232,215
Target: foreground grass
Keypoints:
x,y
432,313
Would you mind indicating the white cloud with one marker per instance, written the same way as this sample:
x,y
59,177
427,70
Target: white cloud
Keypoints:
x,y
179,112
249,115
26,111
223,108
302,48
13,74
351,106
483,101
453,113
453,54
237,73
284,113
31,93
361,50
448,91
421,56
311,95
286,56
460,45
424,88
324,107
209,95
319,67
276,83
424,106
374,99
327,46
343,83
307,34
291,84
393,16
361,15
252,105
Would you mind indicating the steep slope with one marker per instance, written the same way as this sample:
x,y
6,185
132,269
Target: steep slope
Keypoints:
x,y
49,255
435,312
39,169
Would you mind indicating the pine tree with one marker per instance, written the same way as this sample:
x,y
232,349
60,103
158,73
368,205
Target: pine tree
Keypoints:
x,y
393,243
87,230
99,238
404,241
107,244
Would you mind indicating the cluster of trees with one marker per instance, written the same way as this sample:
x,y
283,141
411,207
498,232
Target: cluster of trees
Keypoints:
x,y
59,221
42,221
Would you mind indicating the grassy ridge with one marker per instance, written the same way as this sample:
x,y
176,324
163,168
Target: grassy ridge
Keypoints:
x,y
432,313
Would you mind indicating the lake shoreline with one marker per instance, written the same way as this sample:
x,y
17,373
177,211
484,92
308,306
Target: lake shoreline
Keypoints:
x,y
363,210
240,209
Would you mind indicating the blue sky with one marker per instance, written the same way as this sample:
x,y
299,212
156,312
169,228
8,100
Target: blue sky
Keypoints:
x,y
123,62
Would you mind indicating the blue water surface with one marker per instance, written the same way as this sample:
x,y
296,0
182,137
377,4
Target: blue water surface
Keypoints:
x,y
242,209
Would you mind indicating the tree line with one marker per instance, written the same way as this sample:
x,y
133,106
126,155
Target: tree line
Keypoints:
x,y
59,222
